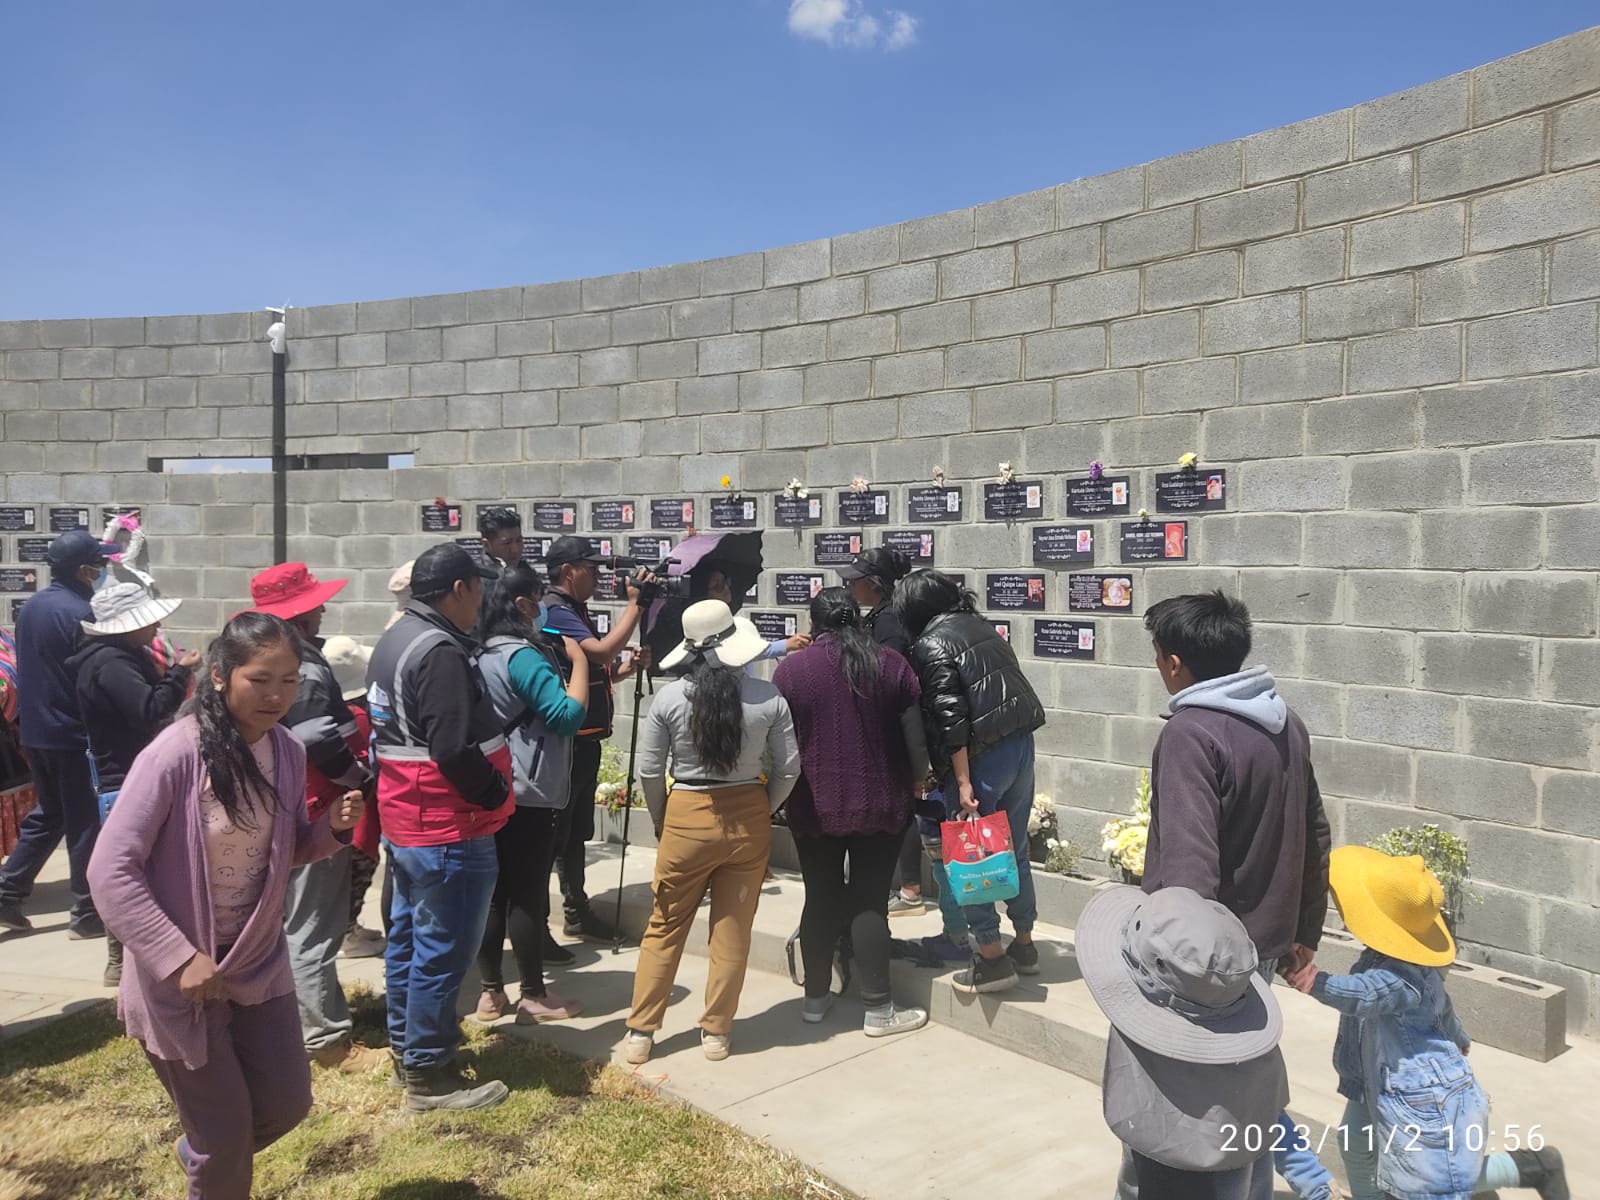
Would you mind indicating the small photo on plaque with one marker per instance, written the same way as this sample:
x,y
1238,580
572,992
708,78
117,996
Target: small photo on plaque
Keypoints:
x,y
439,518
17,519
63,520
602,620
611,515
555,516
649,549
733,512
1198,490
19,579
33,549
1017,500
1073,544
1152,542
775,625
1094,592
1055,638
924,504
536,549
795,511
1108,496
915,544
834,549
863,508
798,587
1003,628
1008,590
672,514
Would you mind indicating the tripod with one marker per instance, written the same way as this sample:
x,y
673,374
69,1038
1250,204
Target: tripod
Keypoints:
x,y
627,799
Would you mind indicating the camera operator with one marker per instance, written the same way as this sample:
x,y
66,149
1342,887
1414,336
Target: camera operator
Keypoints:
x,y
719,587
573,564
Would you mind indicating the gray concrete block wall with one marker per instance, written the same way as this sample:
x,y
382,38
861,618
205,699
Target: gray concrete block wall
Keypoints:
x,y
1383,322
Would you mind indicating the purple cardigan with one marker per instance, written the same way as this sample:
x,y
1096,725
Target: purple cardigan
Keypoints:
x,y
148,879
855,772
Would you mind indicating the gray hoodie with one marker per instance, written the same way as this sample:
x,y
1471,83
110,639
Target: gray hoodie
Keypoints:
x,y
1235,810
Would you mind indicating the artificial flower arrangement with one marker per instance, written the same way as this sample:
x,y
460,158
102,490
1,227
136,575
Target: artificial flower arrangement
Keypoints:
x,y
1006,473
1045,847
1126,837
796,489
859,485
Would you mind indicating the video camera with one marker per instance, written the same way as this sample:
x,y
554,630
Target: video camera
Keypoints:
x,y
660,585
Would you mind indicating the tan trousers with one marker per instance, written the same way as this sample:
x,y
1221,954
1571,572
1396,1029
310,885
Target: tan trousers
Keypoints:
x,y
719,839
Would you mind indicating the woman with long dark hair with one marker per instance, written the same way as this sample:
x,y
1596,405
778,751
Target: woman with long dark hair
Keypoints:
x,y
715,827
861,745
190,873
980,712
522,668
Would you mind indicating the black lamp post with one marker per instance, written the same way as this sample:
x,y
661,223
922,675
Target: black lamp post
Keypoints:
x,y
278,337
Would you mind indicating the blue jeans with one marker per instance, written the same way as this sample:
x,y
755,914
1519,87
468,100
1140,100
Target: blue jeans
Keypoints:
x,y
436,920
1296,1158
1002,780
66,804
951,913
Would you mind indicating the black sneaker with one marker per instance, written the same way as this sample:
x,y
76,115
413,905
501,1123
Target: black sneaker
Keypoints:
x,y
86,928
11,917
444,1088
1024,956
589,926
555,954
986,975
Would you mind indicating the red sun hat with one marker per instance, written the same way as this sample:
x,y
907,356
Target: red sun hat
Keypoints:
x,y
290,590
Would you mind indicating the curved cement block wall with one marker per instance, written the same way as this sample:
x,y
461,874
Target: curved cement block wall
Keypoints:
x,y
1382,322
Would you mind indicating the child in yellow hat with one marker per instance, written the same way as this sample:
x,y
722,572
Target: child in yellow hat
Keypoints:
x,y
1416,1122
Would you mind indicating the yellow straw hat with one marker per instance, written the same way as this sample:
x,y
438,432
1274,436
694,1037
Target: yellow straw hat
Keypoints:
x,y
1395,905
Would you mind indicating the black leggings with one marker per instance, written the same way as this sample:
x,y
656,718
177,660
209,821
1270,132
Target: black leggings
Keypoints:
x,y
859,906
526,846
911,857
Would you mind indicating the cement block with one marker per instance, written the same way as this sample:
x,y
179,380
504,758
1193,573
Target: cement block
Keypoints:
x,y
866,249
1147,441
986,270
1063,352
902,374
1409,118
737,431
1550,340
383,383
708,395
835,466
20,396
1199,384
1363,306
1163,584
1291,485
1255,324
1297,149
461,342
442,449
1572,409
1405,359
1478,413
1404,599
766,309
542,372
1149,236
618,440
1058,255
1551,473
129,393
1097,298
1362,424
1006,313
1250,540
1407,239
1197,173
99,362
672,436
109,331
603,478
658,398
1100,197
1574,271
676,282
1300,373
1380,185
504,374
1362,770
1009,406
1195,280
1553,735
927,415
1054,448
832,383
1294,261
668,360
1572,538
1398,717
505,304
436,379
797,264
907,460
70,394
58,335
977,458
1166,337
588,332
931,237
555,443
737,352
599,368
1474,665
1536,212
796,427
473,412
353,350
1570,669
141,362
1016,217
1097,397
33,364
831,299
944,324
1347,539
1549,604
374,316
1570,803
1543,75
984,362
860,337
702,318
868,421
738,273
771,389
1484,539
1482,285
429,345
1378,657
1575,135
448,309
1249,216
1429,479
409,416
1482,159
552,299
587,406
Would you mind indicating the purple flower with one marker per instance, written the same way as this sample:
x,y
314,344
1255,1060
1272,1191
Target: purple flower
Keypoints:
x,y
1096,469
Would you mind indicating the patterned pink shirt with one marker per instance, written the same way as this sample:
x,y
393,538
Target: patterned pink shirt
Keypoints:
x,y
237,855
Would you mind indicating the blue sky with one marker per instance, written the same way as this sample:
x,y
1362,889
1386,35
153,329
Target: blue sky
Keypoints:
x,y
201,156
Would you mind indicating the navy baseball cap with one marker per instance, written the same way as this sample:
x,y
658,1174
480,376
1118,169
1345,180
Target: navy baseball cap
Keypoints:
x,y
79,548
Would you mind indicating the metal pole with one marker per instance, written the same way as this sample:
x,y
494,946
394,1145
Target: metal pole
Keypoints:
x,y
280,456
627,798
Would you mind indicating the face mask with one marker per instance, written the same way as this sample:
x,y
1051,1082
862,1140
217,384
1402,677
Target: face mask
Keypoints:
x,y
542,617
100,579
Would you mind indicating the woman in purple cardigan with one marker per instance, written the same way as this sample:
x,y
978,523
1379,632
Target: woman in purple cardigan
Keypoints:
x,y
189,873
856,717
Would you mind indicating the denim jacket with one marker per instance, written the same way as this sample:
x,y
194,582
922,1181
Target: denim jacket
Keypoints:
x,y
1400,1053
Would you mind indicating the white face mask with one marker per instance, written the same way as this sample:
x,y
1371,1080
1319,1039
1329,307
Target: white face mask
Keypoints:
x,y
542,617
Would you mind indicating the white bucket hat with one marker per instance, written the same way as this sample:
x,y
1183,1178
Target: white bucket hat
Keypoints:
x,y
125,608
709,627
348,658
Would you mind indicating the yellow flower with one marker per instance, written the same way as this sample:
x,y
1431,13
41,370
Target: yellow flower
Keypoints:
x,y
1187,461
727,481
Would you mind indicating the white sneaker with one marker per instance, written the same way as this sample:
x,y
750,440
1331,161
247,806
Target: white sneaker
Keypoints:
x,y
636,1047
881,1022
715,1045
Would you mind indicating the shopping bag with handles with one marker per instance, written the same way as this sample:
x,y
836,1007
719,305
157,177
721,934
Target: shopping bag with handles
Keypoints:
x,y
979,859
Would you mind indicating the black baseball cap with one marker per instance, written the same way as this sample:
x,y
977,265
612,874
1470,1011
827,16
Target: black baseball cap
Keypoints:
x,y
882,565
79,548
439,568
572,549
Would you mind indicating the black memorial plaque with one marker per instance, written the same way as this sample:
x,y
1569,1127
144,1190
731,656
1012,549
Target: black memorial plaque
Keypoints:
x,y
608,583
109,513
795,511
798,587
672,514
17,519
1192,491
602,620
915,544
649,549
1003,628
1020,499
1108,496
834,549
16,607
1151,542
1072,544
479,509
1097,592
474,547
733,512
611,515
864,508
555,516
19,579
1014,590
536,549
1055,638
775,625
933,504
440,518
33,549
64,519
959,578
605,547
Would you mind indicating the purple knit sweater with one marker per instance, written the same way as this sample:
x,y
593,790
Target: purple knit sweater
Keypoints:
x,y
855,773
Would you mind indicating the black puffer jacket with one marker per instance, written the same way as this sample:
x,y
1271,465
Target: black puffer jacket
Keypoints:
x,y
974,693
125,700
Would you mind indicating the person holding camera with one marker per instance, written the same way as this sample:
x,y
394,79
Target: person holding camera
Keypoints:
x,y
574,567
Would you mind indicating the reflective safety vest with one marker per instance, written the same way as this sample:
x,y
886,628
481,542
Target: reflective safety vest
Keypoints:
x,y
417,805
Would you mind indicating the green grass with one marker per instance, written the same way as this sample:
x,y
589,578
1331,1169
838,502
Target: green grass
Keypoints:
x,y
82,1115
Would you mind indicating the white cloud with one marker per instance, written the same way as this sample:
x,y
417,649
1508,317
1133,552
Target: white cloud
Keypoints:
x,y
847,23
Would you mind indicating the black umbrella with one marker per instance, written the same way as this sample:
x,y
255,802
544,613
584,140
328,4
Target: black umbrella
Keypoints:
x,y
736,555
